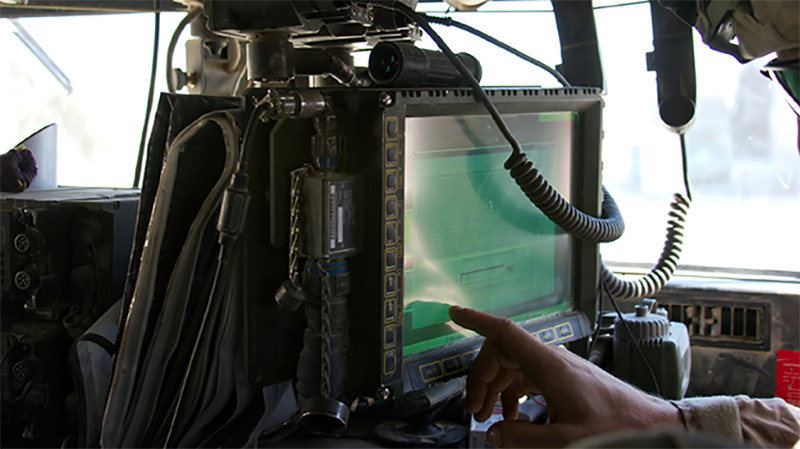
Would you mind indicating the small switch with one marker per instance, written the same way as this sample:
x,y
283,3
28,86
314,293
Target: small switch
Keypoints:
x,y
391,155
391,284
391,235
388,310
391,129
391,181
391,208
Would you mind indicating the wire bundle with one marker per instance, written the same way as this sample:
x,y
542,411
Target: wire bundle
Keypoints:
x,y
606,229
160,389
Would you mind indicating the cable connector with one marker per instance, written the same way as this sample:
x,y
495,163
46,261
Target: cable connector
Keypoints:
x,y
233,211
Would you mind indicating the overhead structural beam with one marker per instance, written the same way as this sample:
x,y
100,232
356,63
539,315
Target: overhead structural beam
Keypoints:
x,y
12,9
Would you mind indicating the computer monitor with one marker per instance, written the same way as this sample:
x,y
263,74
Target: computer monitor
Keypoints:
x,y
441,222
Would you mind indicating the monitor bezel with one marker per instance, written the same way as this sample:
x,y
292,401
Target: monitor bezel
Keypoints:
x,y
586,194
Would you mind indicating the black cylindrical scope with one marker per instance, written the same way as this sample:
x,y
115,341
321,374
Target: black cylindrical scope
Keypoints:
x,y
404,65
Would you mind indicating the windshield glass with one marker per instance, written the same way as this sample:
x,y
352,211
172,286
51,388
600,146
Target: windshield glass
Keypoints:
x,y
744,166
743,160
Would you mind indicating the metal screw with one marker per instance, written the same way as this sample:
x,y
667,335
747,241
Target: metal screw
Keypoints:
x,y
386,99
30,304
383,393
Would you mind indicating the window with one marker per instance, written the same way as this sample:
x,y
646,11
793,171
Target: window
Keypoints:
x,y
743,158
107,59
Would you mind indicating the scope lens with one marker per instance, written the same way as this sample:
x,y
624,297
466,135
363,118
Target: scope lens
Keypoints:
x,y
384,62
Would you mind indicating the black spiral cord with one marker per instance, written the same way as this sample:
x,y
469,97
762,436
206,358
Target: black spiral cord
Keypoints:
x,y
662,272
605,229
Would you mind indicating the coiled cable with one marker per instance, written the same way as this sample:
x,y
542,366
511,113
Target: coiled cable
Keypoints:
x,y
649,284
536,188
605,229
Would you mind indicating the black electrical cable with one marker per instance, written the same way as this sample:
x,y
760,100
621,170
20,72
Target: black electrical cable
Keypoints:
x,y
663,270
654,281
450,9
617,5
661,273
150,94
598,321
684,160
605,229
214,297
633,339
450,22
173,42
230,225
477,90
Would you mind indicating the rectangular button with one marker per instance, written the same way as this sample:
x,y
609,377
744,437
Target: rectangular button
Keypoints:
x,y
392,154
389,310
392,181
389,362
388,337
391,206
547,335
390,284
564,331
391,233
453,365
431,371
390,259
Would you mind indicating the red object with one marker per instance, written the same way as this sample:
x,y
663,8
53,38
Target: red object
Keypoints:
x,y
787,377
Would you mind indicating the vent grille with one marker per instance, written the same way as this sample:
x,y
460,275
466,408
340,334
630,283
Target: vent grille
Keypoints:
x,y
720,323
445,92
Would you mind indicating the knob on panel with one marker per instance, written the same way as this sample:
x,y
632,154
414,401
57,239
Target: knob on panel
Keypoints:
x,y
645,323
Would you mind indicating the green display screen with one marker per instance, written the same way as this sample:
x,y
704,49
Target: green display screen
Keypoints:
x,y
471,237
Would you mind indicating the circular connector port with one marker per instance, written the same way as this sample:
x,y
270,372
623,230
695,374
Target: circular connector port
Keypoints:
x,y
22,280
20,371
22,243
385,63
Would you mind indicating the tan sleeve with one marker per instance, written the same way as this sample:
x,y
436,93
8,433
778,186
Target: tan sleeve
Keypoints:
x,y
762,422
768,422
715,415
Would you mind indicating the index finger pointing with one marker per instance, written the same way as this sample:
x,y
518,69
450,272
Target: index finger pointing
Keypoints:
x,y
541,364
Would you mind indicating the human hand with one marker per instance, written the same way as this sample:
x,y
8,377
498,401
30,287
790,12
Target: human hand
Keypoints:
x,y
582,399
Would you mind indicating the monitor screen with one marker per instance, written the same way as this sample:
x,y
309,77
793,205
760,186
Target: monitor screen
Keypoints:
x,y
472,238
